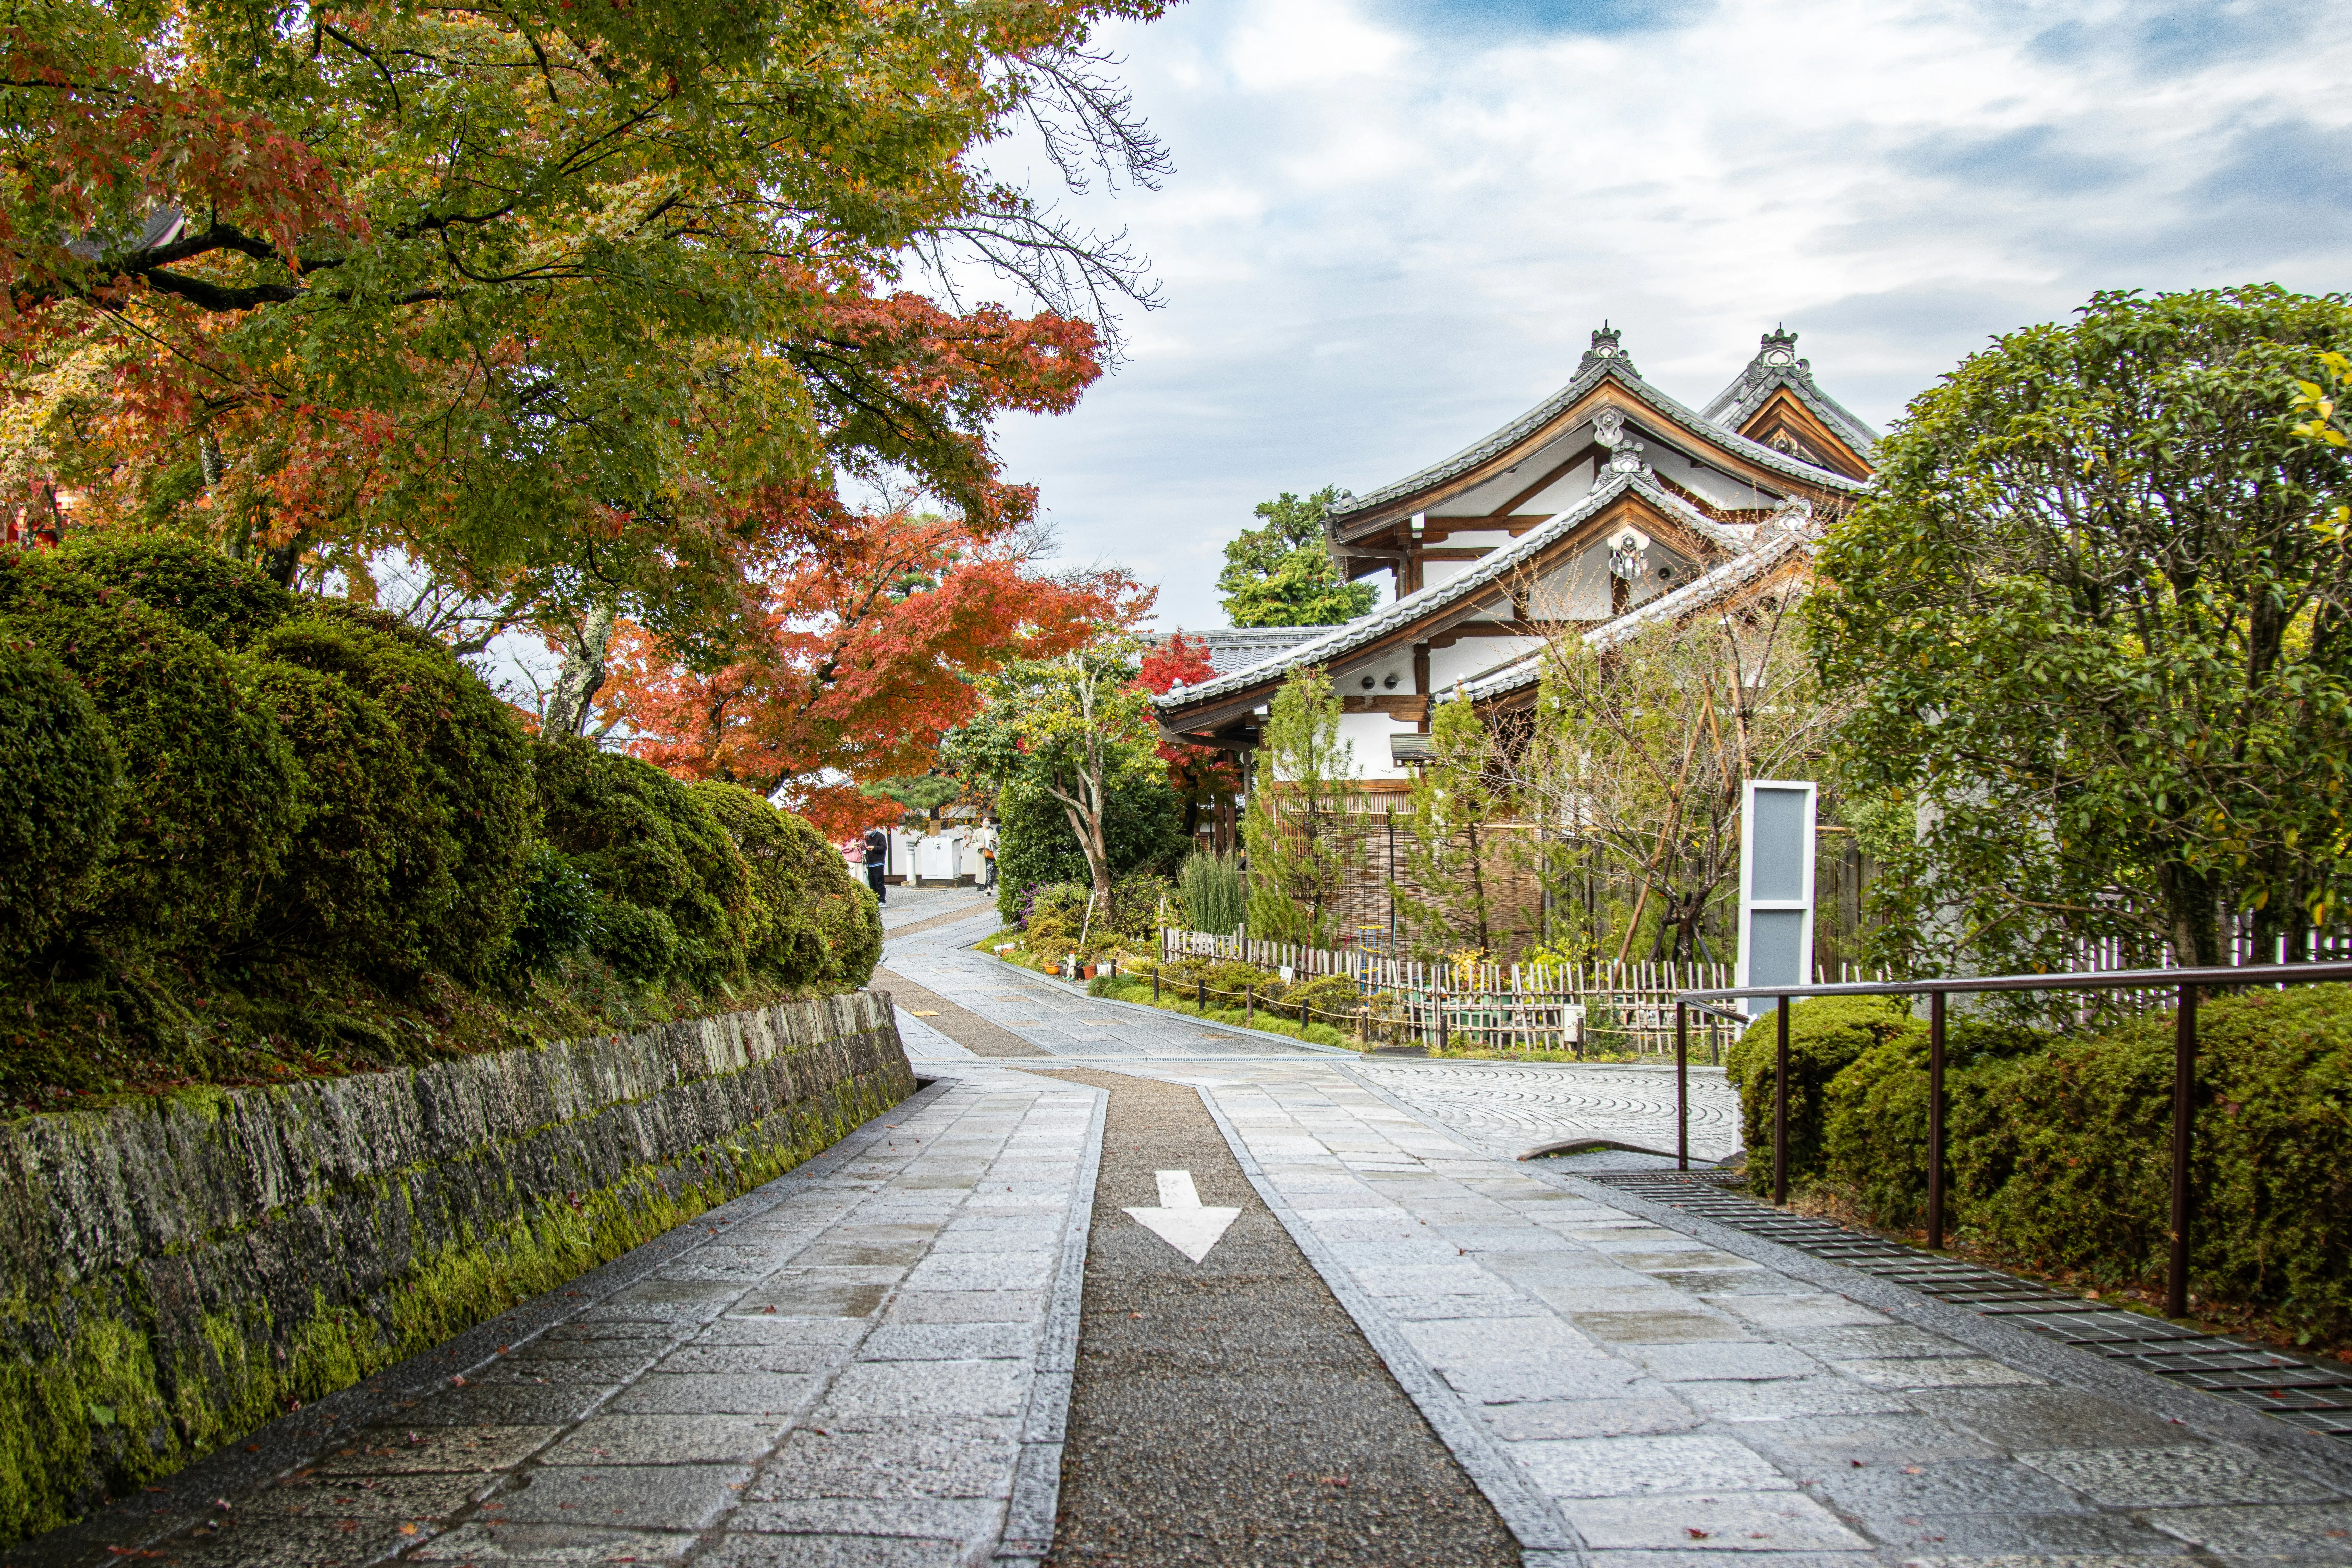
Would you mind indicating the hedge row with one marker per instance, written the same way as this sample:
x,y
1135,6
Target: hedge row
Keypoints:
x,y
2059,1148
208,772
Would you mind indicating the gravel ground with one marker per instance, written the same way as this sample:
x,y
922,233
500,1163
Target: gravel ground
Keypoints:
x,y
1228,1412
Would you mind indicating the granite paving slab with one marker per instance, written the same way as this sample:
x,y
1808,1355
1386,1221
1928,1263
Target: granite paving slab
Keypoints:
x,y
865,1361
1566,1345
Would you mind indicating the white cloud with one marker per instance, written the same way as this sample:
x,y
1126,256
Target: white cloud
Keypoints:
x,y
1393,225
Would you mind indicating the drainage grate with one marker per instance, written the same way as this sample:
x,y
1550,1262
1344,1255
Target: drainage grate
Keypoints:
x,y
2312,1395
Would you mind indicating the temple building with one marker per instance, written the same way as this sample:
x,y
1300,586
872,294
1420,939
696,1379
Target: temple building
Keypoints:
x,y
1607,507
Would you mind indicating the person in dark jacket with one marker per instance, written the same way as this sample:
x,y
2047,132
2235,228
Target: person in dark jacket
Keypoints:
x,y
877,857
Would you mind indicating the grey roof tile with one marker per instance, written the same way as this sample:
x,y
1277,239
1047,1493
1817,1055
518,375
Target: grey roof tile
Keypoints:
x,y
1658,402
1337,642
1771,548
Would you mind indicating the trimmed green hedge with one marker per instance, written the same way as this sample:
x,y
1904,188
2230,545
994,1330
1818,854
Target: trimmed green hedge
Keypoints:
x,y
813,920
64,795
463,867
214,795
248,825
679,892
1826,1035
2060,1149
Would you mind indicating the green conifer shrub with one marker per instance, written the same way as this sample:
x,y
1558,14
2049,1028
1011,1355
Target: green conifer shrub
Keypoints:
x,y
463,871
64,795
213,792
650,845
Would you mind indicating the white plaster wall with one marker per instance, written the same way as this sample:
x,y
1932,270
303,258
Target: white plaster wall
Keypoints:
x,y
1349,682
1474,656
1715,486
1576,590
1571,488
1478,539
1433,572
1369,734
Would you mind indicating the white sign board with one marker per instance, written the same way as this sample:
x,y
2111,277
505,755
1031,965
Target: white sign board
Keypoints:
x,y
1776,887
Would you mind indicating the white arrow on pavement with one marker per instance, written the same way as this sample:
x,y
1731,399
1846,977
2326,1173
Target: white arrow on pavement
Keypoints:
x,y
1180,1221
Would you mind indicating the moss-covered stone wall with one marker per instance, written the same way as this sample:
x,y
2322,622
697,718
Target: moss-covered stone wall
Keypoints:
x,y
175,1274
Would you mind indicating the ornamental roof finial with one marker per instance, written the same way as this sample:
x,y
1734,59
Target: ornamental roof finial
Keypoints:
x,y
1608,348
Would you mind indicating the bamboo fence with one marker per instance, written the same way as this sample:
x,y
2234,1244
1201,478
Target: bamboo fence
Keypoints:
x,y
1618,1009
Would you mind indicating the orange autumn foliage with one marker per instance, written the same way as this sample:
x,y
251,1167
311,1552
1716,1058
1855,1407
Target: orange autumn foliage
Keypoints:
x,y
854,664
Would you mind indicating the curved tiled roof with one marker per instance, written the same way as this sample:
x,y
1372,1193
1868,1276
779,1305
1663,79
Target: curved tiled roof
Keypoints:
x,y
1342,640
1551,408
1526,670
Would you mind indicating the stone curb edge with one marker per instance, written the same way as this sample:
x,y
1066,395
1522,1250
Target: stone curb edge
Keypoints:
x,y
1544,1539
2326,1459
304,1436
1035,1506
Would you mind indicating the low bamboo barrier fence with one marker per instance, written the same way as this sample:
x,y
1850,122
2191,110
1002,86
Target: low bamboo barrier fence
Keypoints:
x,y
1610,1008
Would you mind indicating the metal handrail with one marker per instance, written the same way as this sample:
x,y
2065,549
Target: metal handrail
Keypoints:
x,y
2187,982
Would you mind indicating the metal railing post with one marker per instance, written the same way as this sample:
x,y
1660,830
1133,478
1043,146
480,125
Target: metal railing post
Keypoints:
x,y
1935,1121
1682,1087
1781,1109
2184,1105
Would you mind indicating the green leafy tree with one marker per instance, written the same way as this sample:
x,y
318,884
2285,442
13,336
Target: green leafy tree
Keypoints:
x,y
576,302
2095,614
1301,847
1074,728
1455,801
1281,574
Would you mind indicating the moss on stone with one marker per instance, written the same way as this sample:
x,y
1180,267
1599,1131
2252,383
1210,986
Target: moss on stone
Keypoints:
x,y
86,1410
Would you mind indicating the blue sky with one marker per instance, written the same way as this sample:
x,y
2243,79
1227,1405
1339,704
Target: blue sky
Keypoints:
x,y
1393,223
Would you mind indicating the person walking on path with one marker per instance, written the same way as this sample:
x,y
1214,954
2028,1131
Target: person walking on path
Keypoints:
x,y
877,856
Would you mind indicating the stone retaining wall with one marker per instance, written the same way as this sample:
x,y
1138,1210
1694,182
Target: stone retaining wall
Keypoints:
x,y
173,1275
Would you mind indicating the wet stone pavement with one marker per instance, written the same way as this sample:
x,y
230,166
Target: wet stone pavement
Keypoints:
x,y
879,1360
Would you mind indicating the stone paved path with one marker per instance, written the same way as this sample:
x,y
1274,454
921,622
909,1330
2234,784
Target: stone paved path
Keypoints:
x,y
864,1362
1627,1387
1669,1402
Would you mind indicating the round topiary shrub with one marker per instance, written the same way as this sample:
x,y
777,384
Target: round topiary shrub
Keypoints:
x,y
641,944
646,840
214,792
340,894
1825,1035
58,817
822,925
226,602
463,869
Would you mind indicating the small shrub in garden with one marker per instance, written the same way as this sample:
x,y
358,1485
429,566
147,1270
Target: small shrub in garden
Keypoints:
x,y
559,907
647,842
64,795
363,813
1826,1035
214,790
818,923
465,870
1876,1137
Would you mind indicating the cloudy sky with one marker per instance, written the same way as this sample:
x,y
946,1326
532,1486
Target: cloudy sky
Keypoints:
x,y
1393,224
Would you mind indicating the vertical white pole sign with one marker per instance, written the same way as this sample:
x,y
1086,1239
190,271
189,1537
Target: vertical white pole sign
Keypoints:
x,y
1776,887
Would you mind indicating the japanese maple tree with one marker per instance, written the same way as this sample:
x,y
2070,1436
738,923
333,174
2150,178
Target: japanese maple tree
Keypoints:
x,y
854,664
576,304
1203,776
